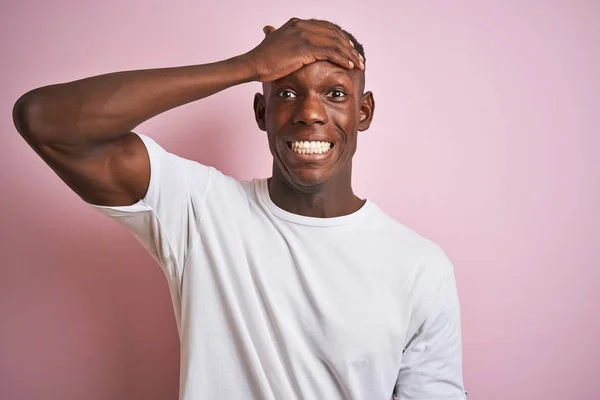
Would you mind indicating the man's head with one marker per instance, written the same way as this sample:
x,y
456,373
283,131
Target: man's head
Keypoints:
x,y
312,118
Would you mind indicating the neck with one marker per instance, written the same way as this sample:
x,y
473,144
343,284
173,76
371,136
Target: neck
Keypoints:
x,y
333,198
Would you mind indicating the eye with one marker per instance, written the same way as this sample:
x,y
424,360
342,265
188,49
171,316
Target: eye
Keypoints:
x,y
286,94
336,94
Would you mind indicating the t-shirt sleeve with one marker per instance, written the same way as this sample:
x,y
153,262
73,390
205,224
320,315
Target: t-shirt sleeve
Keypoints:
x,y
432,360
165,220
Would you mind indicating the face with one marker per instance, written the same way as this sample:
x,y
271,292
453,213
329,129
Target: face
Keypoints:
x,y
312,117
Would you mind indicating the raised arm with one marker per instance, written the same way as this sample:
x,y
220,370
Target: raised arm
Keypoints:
x,y
83,129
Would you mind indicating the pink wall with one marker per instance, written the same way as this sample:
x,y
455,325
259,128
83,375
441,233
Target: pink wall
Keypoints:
x,y
485,140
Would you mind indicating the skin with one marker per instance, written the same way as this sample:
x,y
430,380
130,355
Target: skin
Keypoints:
x,y
84,129
320,102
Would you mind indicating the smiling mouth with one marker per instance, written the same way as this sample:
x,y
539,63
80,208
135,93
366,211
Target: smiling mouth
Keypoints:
x,y
310,147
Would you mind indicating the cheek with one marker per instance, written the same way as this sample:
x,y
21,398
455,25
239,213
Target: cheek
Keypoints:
x,y
346,112
275,120
348,120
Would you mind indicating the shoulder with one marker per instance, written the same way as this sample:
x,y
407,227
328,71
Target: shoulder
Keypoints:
x,y
421,267
407,240
424,272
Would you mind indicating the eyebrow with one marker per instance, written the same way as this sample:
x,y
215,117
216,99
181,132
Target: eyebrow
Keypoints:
x,y
331,75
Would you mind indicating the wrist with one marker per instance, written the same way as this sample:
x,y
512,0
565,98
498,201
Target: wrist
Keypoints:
x,y
245,67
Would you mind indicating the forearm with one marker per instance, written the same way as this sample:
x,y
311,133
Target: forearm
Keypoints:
x,y
101,108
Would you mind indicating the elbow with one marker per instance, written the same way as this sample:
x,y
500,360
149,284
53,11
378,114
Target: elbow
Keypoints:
x,y
29,114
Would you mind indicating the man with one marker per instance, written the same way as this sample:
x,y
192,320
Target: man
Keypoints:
x,y
290,287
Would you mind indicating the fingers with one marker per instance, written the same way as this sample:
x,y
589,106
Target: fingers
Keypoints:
x,y
339,49
323,40
332,55
347,51
327,29
325,34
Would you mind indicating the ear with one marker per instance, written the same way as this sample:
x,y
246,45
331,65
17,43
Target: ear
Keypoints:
x,y
260,111
367,108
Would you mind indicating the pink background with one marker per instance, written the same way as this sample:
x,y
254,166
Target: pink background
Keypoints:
x,y
485,139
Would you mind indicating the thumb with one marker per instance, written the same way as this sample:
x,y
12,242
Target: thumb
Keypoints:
x,y
268,29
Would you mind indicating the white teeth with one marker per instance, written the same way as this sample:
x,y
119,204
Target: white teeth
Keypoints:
x,y
312,147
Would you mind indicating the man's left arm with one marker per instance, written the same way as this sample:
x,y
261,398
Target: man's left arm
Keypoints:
x,y
432,360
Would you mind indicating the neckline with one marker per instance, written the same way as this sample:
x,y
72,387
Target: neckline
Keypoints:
x,y
263,192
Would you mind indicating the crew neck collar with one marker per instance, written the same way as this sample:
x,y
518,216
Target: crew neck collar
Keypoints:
x,y
263,192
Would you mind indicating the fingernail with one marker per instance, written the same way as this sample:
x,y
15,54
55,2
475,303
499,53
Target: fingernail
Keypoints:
x,y
351,43
351,64
362,64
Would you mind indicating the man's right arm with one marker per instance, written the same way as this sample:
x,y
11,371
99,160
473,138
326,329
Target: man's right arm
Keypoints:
x,y
83,129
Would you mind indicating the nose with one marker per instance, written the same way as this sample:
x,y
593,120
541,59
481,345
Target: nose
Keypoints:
x,y
310,110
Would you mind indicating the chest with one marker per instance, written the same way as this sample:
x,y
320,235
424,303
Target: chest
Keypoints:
x,y
339,294
322,298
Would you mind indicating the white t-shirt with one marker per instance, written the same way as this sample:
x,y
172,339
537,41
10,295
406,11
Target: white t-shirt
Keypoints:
x,y
272,305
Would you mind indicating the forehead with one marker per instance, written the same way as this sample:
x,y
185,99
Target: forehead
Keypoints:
x,y
319,73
